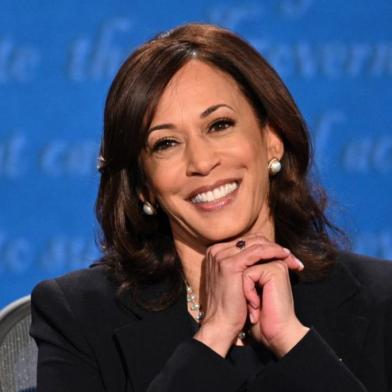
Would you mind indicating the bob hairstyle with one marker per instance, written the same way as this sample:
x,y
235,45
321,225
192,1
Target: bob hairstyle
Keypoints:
x,y
139,249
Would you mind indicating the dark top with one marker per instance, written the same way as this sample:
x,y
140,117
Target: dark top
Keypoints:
x,y
249,360
90,341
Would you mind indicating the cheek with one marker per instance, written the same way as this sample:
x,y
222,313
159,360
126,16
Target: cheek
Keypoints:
x,y
251,141
253,154
164,182
260,154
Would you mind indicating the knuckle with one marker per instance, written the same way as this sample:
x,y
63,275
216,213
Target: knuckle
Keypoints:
x,y
256,248
209,251
261,238
281,266
224,263
249,256
213,250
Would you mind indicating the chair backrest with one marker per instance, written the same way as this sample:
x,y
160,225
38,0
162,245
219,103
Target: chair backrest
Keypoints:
x,y
18,352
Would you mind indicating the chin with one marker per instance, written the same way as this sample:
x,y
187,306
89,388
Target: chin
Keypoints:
x,y
224,233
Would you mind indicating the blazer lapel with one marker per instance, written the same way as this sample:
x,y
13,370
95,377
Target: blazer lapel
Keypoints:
x,y
147,342
339,308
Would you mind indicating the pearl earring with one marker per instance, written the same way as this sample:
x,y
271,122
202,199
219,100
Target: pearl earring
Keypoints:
x,y
148,208
274,166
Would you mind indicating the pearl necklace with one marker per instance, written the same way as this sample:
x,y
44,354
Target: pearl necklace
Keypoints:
x,y
195,306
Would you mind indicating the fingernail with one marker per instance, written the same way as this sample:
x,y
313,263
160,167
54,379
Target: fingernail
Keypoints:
x,y
251,318
285,250
300,264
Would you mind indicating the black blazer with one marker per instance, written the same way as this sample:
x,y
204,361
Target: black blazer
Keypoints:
x,y
90,341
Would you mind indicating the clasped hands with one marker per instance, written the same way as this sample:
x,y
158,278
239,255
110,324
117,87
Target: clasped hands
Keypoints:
x,y
253,283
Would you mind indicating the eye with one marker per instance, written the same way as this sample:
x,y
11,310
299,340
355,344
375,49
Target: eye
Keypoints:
x,y
163,144
221,124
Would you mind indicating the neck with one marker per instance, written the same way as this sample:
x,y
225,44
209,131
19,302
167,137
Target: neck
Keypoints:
x,y
192,263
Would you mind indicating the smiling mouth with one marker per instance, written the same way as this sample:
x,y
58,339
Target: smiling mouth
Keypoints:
x,y
216,193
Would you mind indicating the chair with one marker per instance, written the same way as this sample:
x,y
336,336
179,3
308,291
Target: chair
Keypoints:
x,y
18,352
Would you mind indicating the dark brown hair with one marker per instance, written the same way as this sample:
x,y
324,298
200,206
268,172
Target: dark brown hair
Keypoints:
x,y
138,248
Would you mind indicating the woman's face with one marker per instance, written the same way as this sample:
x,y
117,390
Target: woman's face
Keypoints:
x,y
207,157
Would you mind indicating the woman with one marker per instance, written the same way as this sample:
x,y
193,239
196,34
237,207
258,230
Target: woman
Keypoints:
x,y
218,272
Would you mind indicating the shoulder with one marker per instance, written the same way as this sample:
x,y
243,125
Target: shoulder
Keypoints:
x,y
373,274
84,292
89,281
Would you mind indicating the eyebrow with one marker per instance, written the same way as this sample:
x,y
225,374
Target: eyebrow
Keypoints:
x,y
204,114
212,109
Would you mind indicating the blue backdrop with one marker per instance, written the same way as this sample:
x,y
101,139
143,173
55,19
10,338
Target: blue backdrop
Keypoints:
x,y
57,59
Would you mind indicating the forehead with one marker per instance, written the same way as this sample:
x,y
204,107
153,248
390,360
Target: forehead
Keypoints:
x,y
198,85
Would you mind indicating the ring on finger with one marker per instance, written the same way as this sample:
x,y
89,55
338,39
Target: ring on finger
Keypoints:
x,y
240,244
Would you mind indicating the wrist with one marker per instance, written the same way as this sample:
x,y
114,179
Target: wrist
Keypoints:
x,y
281,347
217,338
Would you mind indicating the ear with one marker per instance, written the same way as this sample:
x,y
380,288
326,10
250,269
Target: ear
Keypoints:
x,y
142,197
146,195
275,147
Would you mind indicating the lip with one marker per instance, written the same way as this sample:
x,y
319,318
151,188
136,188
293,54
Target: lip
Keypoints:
x,y
216,184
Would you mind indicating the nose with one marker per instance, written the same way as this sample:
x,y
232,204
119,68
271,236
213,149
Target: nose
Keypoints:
x,y
202,156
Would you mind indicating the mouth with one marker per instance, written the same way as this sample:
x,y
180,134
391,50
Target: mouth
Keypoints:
x,y
214,194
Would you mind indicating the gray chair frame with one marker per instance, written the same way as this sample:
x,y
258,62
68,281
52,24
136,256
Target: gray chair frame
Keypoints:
x,y
18,352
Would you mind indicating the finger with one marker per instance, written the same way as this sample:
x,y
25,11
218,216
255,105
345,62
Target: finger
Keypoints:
x,y
230,248
261,274
260,253
249,285
256,239
227,249
273,251
254,314
257,276
216,249
258,249
283,253
293,262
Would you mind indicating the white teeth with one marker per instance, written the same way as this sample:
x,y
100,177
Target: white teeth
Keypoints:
x,y
215,194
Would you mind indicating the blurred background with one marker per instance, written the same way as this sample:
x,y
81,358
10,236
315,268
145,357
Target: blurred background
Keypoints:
x,y
57,59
